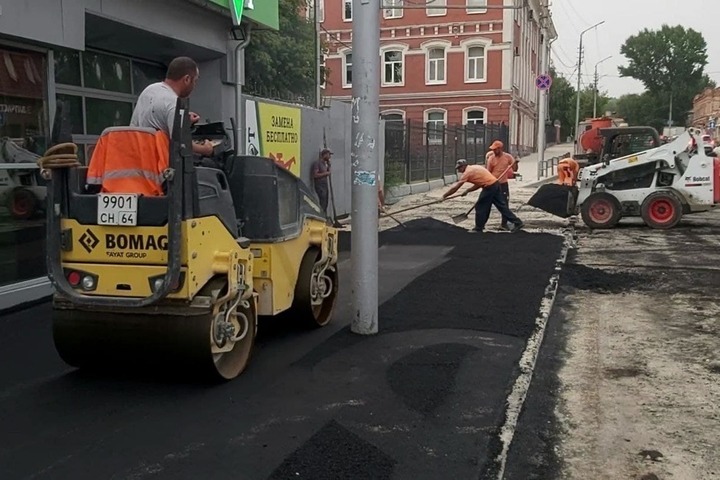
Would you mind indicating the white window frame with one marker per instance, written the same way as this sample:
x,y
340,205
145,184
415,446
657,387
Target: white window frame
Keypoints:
x,y
426,118
466,59
432,45
393,112
473,9
343,58
323,68
344,9
392,9
393,48
468,110
436,8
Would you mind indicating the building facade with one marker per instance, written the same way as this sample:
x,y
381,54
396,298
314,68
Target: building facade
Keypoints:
x,y
706,111
85,62
454,62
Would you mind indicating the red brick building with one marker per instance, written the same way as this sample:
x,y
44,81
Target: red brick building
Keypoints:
x,y
452,66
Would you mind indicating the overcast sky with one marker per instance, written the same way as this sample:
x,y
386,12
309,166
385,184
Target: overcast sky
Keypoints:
x,y
624,18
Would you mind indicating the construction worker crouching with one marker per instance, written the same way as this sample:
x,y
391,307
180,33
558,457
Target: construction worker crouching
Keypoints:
x,y
491,195
567,171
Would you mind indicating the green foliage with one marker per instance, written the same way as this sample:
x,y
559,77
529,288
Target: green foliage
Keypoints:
x,y
563,104
669,62
282,64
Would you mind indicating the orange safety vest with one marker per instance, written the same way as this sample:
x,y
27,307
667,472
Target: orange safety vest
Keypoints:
x,y
130,160
567,171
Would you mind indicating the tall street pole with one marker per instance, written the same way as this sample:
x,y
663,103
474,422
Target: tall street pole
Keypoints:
x,y
595,85
365,161
579,74
542,102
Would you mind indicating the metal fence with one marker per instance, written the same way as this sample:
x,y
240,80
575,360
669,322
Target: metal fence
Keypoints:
x,y
416,152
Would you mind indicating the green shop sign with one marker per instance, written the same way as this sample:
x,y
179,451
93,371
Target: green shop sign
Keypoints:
x,y
263,12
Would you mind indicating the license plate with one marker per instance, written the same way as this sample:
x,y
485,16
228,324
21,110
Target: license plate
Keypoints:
x,y
117,209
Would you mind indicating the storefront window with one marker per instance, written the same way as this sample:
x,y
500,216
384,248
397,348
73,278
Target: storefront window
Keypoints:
x,y
106,72
23,138
106,113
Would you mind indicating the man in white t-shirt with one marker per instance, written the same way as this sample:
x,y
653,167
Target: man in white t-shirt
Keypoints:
x,y
155,106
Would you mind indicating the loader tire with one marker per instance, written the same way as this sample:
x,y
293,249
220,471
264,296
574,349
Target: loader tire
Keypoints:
x,y
661,210
601,211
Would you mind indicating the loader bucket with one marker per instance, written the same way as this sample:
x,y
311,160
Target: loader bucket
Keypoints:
x,y
558,200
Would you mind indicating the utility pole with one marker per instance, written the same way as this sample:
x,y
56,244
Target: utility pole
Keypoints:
x,y
365,161
596,79
318,53
579,74
542,101
670,120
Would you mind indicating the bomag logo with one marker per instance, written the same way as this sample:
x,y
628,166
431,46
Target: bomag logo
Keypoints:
x,y
134,245
89,241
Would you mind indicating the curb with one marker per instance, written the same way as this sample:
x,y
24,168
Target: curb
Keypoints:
x,y
528,360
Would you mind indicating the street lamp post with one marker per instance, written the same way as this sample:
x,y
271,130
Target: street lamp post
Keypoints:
x,y
595,85
579,74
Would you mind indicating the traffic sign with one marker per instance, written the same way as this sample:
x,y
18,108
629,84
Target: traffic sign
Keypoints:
x,y
712,123
543,81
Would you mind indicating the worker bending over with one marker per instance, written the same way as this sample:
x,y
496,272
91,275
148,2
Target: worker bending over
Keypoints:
x,y
155,106
480,177
501,165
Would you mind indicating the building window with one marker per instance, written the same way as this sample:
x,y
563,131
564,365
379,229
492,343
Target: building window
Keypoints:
x,y
436,65
475,64
435,124
476,6
347,10
96,90
347,69
392,117
392,8
393,63
436,8
24,137
475,116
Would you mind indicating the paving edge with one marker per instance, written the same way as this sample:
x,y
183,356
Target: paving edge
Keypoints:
x,y
520,388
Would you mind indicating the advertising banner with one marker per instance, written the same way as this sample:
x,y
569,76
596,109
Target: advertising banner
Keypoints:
x,y
274,131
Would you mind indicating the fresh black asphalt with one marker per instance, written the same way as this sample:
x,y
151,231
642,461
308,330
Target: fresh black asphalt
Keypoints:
x,y
424,399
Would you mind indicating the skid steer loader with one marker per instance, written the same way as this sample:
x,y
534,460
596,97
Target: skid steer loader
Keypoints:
x,y
178,281
660,185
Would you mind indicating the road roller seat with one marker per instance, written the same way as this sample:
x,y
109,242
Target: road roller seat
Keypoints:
x,y
145,153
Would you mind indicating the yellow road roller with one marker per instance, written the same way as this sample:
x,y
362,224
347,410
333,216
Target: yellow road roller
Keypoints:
x,y
178,280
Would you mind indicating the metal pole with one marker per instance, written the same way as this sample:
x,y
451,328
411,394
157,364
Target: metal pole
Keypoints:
x,y
318,53
240,123
365,160
542,104
670,112
579,74
595,85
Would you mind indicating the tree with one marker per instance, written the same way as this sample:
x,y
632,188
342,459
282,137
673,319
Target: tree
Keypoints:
x,y
282,64
562,103
670,62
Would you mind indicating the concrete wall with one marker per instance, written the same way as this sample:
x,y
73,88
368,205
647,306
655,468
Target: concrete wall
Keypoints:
x,y
62,22
329,127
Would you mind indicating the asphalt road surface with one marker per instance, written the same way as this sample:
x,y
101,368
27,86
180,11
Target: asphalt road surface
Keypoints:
x,y
424,399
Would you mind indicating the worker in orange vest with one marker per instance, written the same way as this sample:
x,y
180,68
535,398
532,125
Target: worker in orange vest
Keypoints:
x,y
132,160
568,171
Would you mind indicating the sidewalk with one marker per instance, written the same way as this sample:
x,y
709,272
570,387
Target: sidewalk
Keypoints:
x,y
529,166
